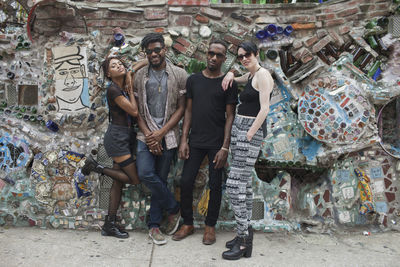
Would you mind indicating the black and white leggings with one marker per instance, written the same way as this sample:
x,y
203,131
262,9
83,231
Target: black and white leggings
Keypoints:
x,y
239,182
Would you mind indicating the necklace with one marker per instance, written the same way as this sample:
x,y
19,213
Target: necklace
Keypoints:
x,y
158,78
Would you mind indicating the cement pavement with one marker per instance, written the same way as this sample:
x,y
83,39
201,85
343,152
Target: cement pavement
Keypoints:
x,y
37,247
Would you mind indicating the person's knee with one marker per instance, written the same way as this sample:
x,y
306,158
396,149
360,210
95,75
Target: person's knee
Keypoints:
x,y
186,183
145,171
215,185
147,176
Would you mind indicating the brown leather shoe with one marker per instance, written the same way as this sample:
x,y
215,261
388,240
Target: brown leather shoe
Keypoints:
x,y
209,235
183,232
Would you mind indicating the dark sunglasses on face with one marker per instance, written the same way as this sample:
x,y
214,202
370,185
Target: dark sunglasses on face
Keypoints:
x,y
247,55
157,50
212,54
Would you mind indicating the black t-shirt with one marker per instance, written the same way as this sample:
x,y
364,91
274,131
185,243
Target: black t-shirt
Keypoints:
x,y
118,115
208,109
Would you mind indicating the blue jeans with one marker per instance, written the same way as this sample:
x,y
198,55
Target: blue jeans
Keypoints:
x,y
153,173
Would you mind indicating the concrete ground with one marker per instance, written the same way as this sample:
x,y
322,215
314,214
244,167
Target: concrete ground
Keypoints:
x,y
37,247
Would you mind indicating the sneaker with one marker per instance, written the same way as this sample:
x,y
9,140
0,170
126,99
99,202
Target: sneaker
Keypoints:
x,y
173,223
157,236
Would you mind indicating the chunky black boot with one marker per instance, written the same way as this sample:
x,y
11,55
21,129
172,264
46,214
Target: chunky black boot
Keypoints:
x,y
91,166
236,252
232,242
110,228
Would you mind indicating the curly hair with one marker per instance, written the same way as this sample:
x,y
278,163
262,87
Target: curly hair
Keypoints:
x,y
152,38
105,66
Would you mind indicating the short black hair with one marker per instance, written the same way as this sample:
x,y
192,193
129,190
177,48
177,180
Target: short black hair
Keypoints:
x,y
152,38
249,47
219,41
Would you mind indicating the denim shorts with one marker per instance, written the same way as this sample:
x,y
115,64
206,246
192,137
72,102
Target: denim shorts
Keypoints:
x,y
120,140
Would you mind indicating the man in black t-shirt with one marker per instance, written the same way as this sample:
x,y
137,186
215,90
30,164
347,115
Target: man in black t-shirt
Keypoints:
x,y
209,116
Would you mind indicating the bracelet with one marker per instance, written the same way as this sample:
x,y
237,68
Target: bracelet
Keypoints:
x,y
225,149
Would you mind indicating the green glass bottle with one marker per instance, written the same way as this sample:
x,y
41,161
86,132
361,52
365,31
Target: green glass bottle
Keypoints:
x,y
374,68
262,55
372,42
371,24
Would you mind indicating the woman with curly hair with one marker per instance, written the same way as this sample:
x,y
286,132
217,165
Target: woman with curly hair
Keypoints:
x,y
119,140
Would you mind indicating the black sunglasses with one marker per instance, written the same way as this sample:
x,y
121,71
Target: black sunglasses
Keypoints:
x,y
213,54
157,50
247,55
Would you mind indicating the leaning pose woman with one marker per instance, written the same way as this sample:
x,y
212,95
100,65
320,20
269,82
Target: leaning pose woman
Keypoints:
x,y
246,138
119,140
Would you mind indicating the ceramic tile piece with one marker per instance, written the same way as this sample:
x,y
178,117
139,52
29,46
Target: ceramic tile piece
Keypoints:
x,y
390,196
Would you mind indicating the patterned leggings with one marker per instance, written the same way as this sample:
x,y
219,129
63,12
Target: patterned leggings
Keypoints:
x,y
239,182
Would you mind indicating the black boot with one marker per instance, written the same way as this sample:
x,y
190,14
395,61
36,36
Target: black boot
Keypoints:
x,y
110,228
91,166
236,252
232,242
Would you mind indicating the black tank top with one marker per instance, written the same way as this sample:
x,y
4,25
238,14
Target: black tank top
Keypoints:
x,y
249,101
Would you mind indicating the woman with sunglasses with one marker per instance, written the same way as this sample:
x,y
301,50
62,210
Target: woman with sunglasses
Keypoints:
x,y
119,140
246,138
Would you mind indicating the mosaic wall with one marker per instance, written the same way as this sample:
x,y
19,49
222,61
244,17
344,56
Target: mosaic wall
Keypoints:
x,y
331,155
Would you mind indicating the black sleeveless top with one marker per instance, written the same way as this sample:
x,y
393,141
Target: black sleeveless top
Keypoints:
x,y
249,101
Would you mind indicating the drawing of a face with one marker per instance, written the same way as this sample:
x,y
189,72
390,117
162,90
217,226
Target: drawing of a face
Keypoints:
x,y
69,81
70,74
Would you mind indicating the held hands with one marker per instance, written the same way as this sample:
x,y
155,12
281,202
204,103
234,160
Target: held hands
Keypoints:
x,y
227,81
154,137
183,150
156,149
220,159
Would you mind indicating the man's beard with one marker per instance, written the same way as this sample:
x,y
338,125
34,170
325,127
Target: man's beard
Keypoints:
x,y
157,65
212,68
